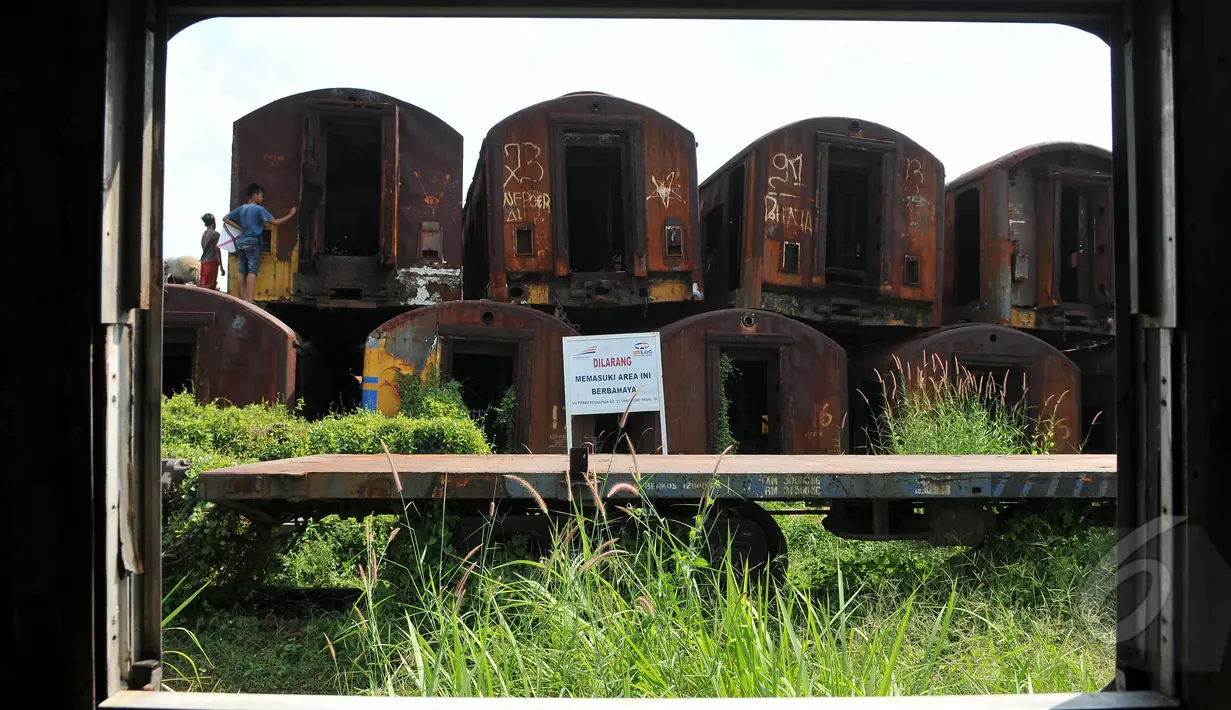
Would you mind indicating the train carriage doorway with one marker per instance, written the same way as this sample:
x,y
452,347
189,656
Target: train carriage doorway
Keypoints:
x,y
179,360
349,182
493,369
487,375
595,184
750,381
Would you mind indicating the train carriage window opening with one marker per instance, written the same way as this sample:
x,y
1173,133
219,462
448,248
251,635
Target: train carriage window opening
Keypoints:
x,y
596,202
352,186
267,241
790,258
430,240
673,238
1076,233
733,233
523,240
967,220
485,372
853,214
179,355
752,394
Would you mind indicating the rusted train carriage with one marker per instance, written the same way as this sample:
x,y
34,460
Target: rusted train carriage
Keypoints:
x,y
222,348
584,200
786,395
488,348
831,220
1025,368
376,181
1028,241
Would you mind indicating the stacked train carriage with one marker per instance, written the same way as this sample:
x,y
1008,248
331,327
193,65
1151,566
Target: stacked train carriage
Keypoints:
x,y
826,251
835,221
378,232
1028,244
586,205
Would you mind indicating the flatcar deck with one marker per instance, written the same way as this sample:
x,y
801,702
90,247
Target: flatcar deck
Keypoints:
x,y
684,477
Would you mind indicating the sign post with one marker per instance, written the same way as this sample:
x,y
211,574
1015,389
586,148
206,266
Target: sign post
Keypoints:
x,y
603,372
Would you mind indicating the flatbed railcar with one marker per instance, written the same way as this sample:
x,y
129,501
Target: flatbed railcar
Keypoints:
x,y
949,494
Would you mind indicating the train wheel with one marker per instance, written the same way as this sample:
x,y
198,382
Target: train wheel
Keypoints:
x,y
756,543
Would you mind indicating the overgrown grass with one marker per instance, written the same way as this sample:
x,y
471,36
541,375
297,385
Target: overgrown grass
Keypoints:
x,y
610,614
942,409
635,610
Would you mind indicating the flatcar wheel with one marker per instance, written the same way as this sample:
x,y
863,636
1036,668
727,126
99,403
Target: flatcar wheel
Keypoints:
x,y
755,540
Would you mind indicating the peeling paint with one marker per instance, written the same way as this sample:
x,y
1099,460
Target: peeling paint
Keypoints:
x,y
423,284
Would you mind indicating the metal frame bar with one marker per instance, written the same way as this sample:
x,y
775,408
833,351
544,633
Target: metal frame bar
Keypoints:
x,y
130,320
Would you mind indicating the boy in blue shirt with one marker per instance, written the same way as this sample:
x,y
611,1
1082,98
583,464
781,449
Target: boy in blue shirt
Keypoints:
x,y
251,218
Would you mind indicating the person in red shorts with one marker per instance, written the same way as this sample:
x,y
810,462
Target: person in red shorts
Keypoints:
x,y
211,255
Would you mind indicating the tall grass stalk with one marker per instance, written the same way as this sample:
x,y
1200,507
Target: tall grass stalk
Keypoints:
x,y
941,407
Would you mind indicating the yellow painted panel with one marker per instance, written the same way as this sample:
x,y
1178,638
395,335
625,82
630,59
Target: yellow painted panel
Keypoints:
x,y
1022,319
667,291
539,294
385,368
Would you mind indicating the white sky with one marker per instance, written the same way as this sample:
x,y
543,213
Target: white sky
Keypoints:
x,y
966,92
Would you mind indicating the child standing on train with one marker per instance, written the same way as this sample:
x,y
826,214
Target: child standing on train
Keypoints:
x,y
250,218
211,255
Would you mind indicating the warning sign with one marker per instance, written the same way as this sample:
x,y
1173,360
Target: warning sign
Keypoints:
x,y
603,373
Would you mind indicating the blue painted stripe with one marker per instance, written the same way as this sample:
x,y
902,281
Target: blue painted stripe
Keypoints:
x,y
369,400
370,380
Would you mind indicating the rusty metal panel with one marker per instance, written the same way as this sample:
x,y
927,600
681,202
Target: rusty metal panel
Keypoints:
x,y
786,204
243,355
426,338
670,198
1045,263
1022,233
993,254
812,401
282,146
921,197
1054,381
429,180
1023,203
523,153
371,479
266,148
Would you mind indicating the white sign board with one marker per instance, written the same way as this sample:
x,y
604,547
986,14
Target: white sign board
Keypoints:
x,y
603,372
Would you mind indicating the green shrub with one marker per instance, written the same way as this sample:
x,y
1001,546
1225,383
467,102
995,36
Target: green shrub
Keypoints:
x,y
362,432
432,400
201,540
